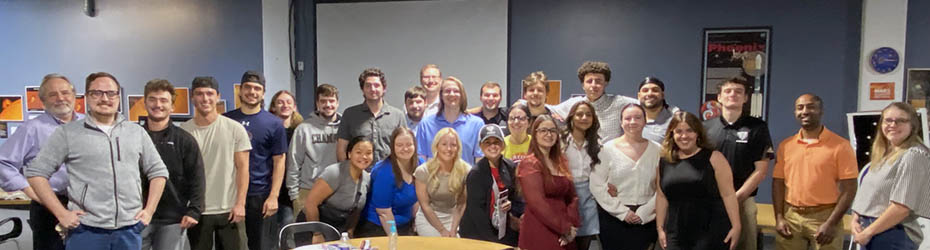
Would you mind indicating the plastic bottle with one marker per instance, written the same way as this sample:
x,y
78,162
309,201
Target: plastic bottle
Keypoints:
x,y
344,244
392,241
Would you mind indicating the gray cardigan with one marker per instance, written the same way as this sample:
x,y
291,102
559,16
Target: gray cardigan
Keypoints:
x,y
104,171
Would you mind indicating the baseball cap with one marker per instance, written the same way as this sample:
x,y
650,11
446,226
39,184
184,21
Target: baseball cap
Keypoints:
x,y
492,130
253,76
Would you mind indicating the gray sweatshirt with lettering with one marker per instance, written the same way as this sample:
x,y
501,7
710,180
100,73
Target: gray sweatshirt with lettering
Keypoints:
x,y
313,147
104,170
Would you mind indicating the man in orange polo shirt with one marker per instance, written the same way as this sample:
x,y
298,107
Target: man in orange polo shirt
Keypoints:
x,y
815,176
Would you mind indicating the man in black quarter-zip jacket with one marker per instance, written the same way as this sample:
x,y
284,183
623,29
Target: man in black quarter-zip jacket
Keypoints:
x,y
107,157
183,200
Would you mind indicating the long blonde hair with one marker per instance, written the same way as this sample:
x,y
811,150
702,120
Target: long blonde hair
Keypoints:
x,y
882,150
295,118
459,168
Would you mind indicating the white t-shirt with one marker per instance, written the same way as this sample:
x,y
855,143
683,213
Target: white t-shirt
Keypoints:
x,y
218,143
106,128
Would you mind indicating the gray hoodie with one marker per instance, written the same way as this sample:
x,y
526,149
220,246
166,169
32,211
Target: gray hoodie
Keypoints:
x,y
104,171
313,147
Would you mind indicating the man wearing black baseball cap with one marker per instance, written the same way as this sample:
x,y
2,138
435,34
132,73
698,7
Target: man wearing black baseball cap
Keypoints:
x,y
266,160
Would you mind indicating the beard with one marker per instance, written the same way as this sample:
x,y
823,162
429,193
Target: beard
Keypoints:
x,y
61,109
653,105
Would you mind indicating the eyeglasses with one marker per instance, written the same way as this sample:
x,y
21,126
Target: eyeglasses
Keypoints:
x,y
518,118
100,93
553,131
891,121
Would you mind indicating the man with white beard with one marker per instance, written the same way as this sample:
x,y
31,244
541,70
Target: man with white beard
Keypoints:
x,y
57,94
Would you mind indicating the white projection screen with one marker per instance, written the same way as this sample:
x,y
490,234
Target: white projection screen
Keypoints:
x,y
467,39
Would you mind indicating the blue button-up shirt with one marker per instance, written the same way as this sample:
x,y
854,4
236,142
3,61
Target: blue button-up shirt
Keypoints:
x,y
466,125
23,146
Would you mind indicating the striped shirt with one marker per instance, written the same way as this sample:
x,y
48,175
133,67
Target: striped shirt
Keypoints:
x,y
904,181
607,108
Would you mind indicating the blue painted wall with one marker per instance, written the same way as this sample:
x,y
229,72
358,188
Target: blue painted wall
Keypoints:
x,y
917,52
815,48
134,40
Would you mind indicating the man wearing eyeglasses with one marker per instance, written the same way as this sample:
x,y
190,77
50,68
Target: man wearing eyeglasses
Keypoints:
x,y
107,157
430,79
815,176
57,95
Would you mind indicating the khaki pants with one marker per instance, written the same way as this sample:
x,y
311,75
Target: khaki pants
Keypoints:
x,y
299,203
803,227
747,218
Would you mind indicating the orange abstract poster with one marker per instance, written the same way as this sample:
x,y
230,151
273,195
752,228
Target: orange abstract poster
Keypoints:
x,y
79,104
11,108
136,107
33,102
181,102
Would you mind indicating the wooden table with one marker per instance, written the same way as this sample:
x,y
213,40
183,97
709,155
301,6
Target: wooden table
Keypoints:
x,y
420,242
765,219
15,204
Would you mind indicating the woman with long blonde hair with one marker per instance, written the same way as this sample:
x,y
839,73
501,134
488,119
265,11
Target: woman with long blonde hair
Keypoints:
x,y
284,105
893,186
440,187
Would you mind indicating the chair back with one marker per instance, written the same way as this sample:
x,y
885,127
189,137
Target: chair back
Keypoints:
x,y
286,236
17,228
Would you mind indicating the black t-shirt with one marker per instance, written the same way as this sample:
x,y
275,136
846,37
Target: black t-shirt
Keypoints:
x,y
499,119
743,143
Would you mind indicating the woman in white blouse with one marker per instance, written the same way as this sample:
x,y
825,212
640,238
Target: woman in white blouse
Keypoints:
x,y
624,185
582,150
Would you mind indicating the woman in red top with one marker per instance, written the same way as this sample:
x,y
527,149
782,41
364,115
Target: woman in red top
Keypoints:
x,y
551,217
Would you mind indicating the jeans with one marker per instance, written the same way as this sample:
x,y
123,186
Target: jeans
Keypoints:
x,y
94,238
894,238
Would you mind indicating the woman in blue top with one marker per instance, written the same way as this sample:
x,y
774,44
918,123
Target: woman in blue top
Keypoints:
x,y
392,195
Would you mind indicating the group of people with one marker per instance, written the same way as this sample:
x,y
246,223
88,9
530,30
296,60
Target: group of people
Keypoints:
x,y
628,172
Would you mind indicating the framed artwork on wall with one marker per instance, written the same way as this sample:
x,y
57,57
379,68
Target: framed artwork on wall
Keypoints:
x,y
917,92
181,102
11,108
33,102
79,105
221,106
136,107
236,100
736,53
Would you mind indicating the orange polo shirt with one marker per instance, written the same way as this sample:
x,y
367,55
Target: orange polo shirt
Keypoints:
x,y
811,170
